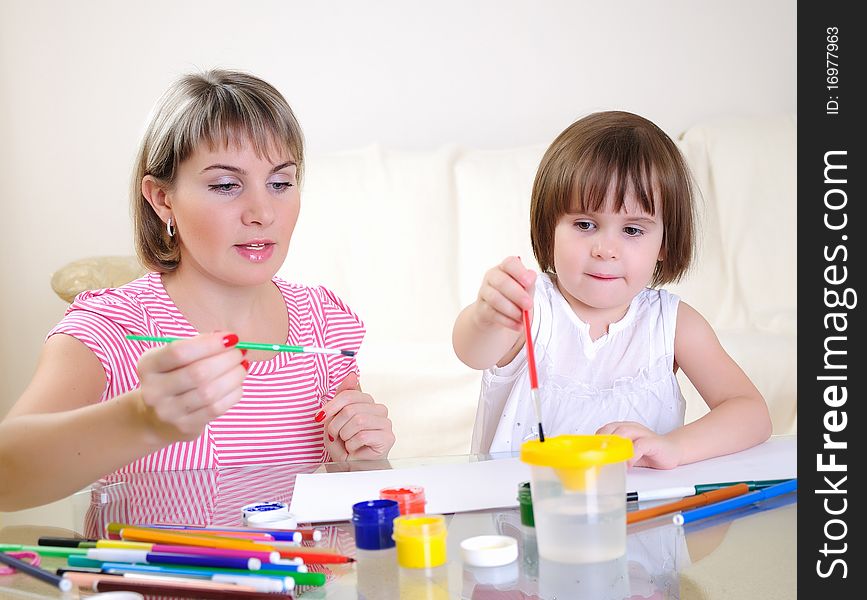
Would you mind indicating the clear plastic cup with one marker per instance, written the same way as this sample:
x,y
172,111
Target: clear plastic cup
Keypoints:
x,y
579,496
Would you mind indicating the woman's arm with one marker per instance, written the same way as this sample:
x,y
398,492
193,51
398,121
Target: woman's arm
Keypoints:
x,y
59,438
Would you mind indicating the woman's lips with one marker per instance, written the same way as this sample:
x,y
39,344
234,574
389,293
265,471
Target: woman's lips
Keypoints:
x,y
256,251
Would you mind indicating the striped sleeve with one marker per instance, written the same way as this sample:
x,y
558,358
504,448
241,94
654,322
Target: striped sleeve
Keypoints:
x,y
100,319
340,328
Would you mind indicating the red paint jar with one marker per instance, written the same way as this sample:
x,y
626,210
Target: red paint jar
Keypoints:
x,y
410,498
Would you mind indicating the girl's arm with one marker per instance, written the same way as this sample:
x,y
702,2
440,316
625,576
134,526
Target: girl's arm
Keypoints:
x,y
489,331
59,438
738,417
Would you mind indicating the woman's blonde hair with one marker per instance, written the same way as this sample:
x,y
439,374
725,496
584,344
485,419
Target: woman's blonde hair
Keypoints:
x,y
630,153
214,107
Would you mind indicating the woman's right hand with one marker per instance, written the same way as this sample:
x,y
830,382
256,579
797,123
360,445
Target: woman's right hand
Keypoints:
x,y
188,383
506,291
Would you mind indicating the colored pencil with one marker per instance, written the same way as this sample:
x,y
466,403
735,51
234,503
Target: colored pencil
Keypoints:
x,y
534,376
690,502
35,572
156,536
733,503
167,558
254,346
691,490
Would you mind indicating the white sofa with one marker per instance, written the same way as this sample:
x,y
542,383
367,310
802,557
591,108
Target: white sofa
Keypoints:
x,y
404,238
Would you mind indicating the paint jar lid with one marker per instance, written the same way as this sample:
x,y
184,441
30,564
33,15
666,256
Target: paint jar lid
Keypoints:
x,y
410,498
375,512
489,550
577,451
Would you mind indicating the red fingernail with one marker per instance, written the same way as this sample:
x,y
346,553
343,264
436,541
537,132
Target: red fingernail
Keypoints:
x,y
330,439
319,416
245,364
243,352
230,340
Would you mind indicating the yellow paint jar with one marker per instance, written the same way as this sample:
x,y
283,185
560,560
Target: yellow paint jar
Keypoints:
x,y
420,540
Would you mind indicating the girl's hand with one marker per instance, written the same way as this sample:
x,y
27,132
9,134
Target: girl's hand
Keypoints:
x,y
356,427
507,290
651,449
188,383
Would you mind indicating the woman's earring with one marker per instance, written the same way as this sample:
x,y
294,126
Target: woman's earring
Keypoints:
x,y
170,228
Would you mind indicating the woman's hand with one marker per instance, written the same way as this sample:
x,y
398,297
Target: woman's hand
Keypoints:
x,y
356,427
651,449
188,383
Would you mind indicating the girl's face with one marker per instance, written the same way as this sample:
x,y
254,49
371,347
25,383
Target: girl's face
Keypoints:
x,y
235,212
604,259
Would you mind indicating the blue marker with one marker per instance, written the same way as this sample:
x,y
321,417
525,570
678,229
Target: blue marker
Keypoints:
x,y
737,502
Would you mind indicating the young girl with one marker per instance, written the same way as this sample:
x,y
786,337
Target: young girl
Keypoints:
x,y
611,213
215,201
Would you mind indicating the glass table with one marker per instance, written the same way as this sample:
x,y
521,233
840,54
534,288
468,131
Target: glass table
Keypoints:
x,y
749,553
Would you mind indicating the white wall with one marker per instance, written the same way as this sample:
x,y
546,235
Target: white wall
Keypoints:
x,y
77,80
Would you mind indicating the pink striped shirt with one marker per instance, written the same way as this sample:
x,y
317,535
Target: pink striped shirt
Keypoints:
x,y
273,423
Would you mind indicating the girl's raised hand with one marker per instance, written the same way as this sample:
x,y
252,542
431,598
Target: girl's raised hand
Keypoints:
x,y
356,427
651,449
188,383
507,290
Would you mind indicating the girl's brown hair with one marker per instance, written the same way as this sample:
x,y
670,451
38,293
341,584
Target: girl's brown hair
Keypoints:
x,y
214,107
623,152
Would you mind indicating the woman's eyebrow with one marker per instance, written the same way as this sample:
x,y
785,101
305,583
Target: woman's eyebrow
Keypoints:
x,y
240,171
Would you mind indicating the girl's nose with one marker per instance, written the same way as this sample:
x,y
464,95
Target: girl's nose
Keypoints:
x,y
605,248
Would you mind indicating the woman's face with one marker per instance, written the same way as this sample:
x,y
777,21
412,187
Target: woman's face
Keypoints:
x,y
234,211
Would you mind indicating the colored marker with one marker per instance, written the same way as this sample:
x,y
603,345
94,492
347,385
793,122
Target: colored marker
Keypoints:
x,y
534,376
69,542
244,534
253,346
733,503
43,550
311,557
176,588
156,536
702,499
35,572
691,490
281,535
199,550
167,558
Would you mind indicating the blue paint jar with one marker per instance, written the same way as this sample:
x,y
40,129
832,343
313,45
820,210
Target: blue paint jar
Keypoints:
x,y
374,523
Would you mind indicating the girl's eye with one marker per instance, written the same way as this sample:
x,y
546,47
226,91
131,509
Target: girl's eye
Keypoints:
x,y
633,231
223,188
584,225
281,186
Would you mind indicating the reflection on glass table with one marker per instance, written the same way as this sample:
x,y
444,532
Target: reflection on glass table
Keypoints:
x,y
736,555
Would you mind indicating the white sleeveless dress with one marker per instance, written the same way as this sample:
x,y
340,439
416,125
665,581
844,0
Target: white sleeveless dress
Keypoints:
x,y
625,375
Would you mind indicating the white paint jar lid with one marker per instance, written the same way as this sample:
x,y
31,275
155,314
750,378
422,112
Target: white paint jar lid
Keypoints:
x,y
489,550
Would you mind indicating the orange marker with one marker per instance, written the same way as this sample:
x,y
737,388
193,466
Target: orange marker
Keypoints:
x,y
691,502
158,536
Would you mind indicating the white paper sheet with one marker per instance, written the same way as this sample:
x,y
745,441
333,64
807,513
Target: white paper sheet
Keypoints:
x,y
451,488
